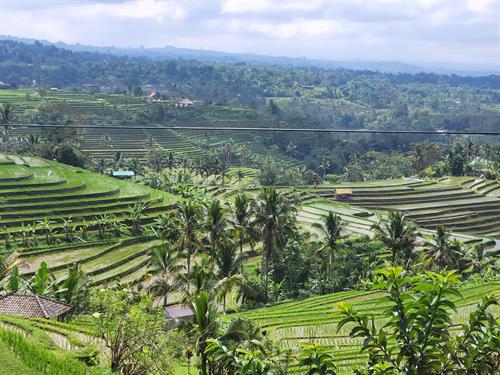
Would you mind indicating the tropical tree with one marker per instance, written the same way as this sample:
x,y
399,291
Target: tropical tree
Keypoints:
x,y
331,230
243,211
189,221
43,283
68,229
325,166
441,251
215,225
6,118
7,263
164,262
291,150
47,226
205,325
229,263
479,261
399,235
106,141
316,359
74,288
275,217
417,338
137,211
103,222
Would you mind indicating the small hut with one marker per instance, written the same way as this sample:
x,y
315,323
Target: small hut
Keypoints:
x,y
343,194
123,174
177,313
32,306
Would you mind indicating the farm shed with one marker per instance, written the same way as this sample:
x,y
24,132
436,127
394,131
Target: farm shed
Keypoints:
x,y
185,103
177,313
122,174
32,306
343,194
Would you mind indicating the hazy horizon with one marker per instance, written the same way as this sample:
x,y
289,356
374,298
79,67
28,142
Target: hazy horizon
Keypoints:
x,y
421,32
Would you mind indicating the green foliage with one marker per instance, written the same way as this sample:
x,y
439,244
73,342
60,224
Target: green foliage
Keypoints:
x,y
315,359
417,339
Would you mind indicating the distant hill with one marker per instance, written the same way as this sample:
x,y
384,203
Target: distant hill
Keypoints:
x,y
170,52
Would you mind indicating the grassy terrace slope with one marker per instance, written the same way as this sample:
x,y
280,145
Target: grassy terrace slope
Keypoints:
x,y
315,319
32,190
464,205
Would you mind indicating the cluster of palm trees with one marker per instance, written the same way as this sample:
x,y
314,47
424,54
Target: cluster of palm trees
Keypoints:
x,y
440,252
71,230
204,244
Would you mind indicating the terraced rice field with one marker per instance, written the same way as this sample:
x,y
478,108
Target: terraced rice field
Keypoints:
x,y
32,190
315,320
466,206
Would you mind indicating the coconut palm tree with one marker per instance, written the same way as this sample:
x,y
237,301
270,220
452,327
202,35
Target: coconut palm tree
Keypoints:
x,y
135,215
331,230
68,229
189,221
164,262
46,226
205,325
166,227
7,263
6,117
479,261
215,225
274,217
228,264
399,235
441,251
325,166
291,150
242,219
106,141
103,223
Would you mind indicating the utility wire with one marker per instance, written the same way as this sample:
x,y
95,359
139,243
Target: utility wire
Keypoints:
x,y
259,129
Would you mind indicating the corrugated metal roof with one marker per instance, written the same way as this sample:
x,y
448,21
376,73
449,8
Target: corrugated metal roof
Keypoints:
x,y
123,173
178,311
343,191
32,306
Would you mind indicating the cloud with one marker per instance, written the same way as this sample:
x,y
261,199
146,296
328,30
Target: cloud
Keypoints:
x,y
407,30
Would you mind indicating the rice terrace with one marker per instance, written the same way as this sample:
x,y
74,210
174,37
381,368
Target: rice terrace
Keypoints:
x,y
183,211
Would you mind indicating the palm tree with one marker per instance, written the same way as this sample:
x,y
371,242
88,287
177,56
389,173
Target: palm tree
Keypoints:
x,y
240,175
228,263
68,229
331,230
7,263
242,217
73,289
135,215
6,117
165,263
441,251
398,234
479,261
205,325
274,216
215,225
189,226
106,141
103,222
291,150
46,226
325,166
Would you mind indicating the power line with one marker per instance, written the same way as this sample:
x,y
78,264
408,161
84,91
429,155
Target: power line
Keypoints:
x,y
259,129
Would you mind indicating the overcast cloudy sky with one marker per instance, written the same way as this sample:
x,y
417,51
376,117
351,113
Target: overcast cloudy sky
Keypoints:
x,y
458,31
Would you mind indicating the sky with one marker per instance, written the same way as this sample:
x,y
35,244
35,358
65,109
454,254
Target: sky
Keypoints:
x,y
414,31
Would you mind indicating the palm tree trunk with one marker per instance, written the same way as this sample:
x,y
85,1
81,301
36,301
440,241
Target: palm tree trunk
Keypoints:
x,y
224,303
